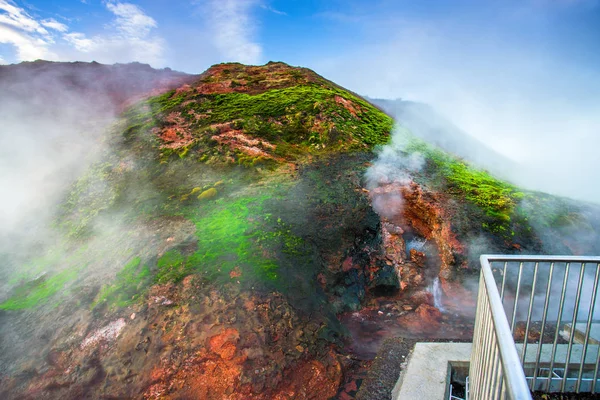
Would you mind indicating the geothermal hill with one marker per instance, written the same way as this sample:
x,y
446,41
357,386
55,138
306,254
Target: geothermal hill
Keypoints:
x,y
254,232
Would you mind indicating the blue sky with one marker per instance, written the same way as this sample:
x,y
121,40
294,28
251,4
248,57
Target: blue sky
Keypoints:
x,y
522,76
193,34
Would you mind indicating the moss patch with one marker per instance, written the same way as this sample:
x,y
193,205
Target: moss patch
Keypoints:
x,y
496,198
129,285
172,267
89,196
227,239
207,194
38,291
289,115
286,114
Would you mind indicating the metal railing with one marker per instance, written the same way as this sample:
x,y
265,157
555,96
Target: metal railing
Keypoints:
x,y
495,370
535,327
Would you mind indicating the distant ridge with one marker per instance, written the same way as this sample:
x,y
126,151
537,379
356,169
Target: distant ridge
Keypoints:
x,y
425,122
115,85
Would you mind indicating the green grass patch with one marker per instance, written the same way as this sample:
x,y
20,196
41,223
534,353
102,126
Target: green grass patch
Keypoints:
x,y
306,115
172,267
129,286
496,198
294,109
38,291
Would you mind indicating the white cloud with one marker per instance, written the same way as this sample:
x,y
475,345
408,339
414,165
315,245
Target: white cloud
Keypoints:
x,y
131,20
2,61
79,41
273,10
131,38
128,36
28,47
234,30
54,24
18,18
29,36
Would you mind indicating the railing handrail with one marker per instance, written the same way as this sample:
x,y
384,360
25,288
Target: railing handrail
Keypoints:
x,y
516,383
500,257
548,281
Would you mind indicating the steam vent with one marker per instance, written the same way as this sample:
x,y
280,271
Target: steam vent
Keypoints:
x,y
252,232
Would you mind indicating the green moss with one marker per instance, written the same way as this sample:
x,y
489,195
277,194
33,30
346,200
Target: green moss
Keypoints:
x,y
282,236
172,267
57,256
309,115
496,198
234,233
165,102
294,108
38,291
552,212
227,239
129,286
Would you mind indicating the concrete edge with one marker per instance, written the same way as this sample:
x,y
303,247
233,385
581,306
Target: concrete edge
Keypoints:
x,y
404,366
426,374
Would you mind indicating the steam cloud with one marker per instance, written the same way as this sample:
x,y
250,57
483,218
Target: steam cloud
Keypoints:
x,y
504,74
48,138
392,166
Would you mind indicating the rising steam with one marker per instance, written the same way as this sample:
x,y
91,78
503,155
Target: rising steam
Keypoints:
x,y
393,166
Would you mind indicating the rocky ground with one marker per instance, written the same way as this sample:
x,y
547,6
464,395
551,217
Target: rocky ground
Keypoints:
x,y
385,369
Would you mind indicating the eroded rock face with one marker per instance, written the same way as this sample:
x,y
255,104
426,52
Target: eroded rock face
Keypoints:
x,y
410,207
382,264
423,211
393,246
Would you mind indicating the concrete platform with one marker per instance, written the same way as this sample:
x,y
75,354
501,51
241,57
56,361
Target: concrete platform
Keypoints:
x,y
426,376
580,331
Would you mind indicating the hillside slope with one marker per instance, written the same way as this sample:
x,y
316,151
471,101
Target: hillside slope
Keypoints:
x,y
255,233
208,224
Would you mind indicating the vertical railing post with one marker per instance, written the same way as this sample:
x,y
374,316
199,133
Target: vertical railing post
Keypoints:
x,y
497,370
